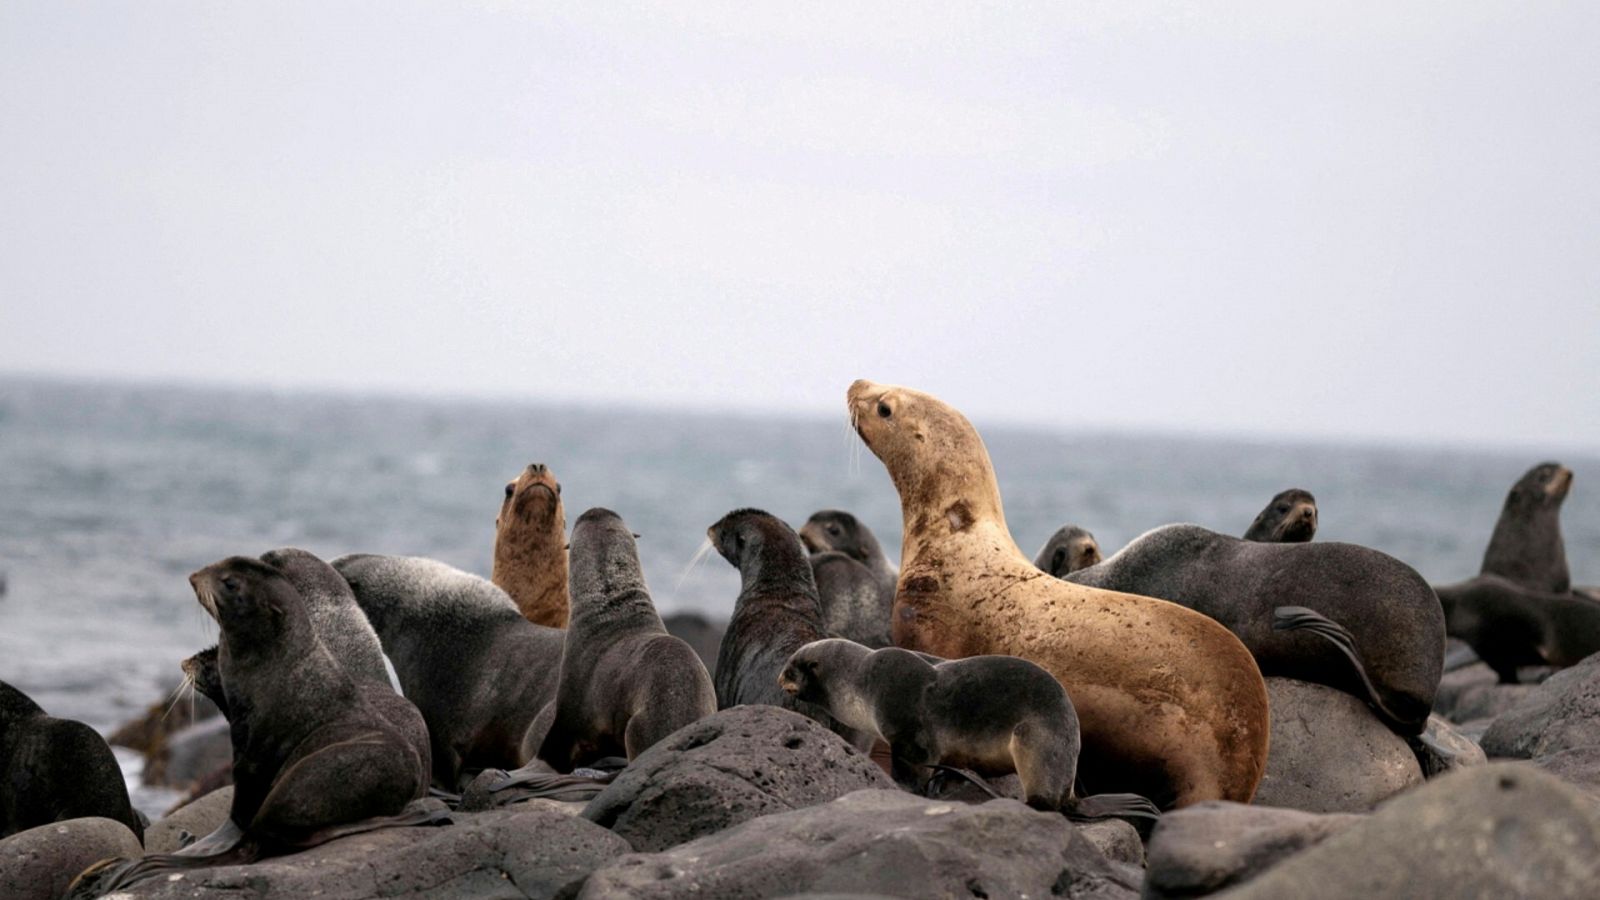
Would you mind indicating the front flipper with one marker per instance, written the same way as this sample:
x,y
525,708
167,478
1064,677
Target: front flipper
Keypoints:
x,y
110,875
225,838
1110,806
940,772
1300,618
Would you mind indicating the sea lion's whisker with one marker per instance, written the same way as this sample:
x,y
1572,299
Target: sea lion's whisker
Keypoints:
x,y
176,697
695,560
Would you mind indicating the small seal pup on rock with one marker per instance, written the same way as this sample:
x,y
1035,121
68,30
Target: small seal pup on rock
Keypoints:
x,y
1336,614
992,714
1291,518
777,613
1170,703
530,547
625,683
313,759
55,769
1071,548
479,672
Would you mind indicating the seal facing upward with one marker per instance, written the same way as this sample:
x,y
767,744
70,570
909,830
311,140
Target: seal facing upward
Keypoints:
x,y
1171,705
1527,546
530,548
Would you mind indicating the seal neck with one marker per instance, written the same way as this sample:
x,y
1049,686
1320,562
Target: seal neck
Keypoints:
x,y
778,561
532,569
1527,548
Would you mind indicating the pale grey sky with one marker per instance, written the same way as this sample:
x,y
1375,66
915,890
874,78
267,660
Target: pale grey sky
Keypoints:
x,y
1361,220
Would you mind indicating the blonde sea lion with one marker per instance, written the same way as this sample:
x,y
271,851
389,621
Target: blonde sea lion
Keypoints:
x,y
1171,705
530,555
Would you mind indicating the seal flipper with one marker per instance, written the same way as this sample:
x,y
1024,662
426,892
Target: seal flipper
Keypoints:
x,y
110,875
1110,806
225,838
1299,618
940,771
427,811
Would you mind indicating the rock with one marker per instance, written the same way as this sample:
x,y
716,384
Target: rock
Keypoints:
x,y
727,768
41,862
699,632
1561,714
191,754
1500,830
1456,684
1489,701
198,819
516,852
1473,730
884,842
1442,748
1579,767
1116,839
1206,847
147,733
1329,753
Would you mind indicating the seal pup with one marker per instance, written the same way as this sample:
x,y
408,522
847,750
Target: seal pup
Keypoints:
x,y
1527,546
992,714
854,578
777,613
55,769
312,758
625,683
1510,625
1291,518
1071,548
1171,705
477,669
1337,614
530,547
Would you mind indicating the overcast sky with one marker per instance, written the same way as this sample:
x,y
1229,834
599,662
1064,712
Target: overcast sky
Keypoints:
x,y
1358,220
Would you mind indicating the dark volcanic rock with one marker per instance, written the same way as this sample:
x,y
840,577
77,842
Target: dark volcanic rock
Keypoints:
x,y
1561,714
1442,747
1500,830
198,819
1206,847
1329,753
879,842
41,862
730,767
512,853
1579,766
191,754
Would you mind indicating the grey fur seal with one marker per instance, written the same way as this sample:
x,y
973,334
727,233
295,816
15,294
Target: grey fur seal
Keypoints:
x,y
625,683
335,616
778,612
1171,705
1071,548
55,769
314,759
854,577
530,556
1527,546
1337,614
477,669
992,714
1510,625
1290,518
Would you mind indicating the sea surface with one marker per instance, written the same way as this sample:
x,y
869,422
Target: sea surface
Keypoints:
x,y
110,495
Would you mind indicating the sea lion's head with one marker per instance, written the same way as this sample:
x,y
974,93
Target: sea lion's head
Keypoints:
x,y
1071,548
532,505
1544,486
1291,518
807,674
935,457
604,558
253,602
743,532
841,532
203,670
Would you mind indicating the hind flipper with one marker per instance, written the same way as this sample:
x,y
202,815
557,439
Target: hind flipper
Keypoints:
x,y
1299,618
110,875
942,771
1110,806
225,838
425,812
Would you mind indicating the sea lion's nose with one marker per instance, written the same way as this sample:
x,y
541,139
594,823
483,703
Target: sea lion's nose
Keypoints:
x,y
537,468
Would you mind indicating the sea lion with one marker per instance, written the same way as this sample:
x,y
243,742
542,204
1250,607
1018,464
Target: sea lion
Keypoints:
x,y
337,619
1171,705
313,758
479,672
993,715
854,578
530,557
1510,625
1291,518
777,613
55,769
625,683
1071,548
1337,614
1527,546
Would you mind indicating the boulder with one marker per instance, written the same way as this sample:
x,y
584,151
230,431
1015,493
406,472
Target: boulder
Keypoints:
x,y
1116,839
516,852
1442,747
1209,846
1499,830
1475,692
875,842
1329,753
1579,766
197,819
728,768
41,862
148,732
191,754
1563,713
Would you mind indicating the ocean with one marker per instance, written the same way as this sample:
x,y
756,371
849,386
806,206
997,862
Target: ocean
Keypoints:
x,y
111,494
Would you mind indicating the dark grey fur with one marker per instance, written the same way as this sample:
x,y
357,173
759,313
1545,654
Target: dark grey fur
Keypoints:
x,y
1291,518
1510,625
855,579
1527,546
337,618
55,769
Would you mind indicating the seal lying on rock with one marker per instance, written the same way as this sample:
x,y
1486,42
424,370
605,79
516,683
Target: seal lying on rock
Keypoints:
x,y
530,555
625,683
1336,614
55,769
1171,704
1291,518
313,758
1071,548
992,714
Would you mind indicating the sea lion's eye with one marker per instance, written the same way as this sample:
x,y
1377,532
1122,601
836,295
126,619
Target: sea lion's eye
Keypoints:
x,y
229,583
883,410
1283,509
510,489
833,530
